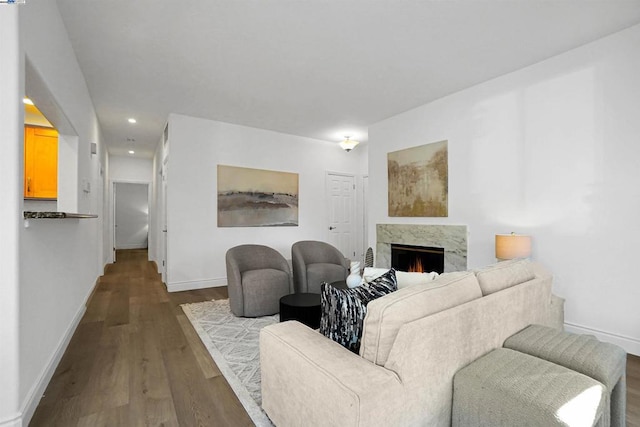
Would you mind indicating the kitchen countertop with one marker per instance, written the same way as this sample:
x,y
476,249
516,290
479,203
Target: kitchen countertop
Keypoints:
x,y
55,215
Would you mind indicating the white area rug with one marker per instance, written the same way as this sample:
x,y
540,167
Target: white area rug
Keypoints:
x,y
233,344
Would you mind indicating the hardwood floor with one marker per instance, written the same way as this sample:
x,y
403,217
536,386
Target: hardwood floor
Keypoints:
x,y
135,360
633,391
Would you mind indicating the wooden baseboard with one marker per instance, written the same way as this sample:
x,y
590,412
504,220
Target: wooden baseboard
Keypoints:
x,y
92,293
195,284
630,345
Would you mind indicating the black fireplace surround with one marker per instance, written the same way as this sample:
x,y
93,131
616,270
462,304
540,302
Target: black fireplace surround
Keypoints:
x,y
417,258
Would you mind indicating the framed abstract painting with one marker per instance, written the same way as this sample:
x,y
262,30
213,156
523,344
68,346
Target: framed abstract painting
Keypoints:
x,y
256,197
419,181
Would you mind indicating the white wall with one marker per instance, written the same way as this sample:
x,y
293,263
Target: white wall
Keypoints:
x,y
60,260
130,169
11,175
196,246
551,150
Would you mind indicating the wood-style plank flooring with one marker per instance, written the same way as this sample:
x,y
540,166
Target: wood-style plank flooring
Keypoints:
x,y
633,391
135,360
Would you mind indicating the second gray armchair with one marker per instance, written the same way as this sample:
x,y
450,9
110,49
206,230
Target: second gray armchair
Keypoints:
x,y
316,262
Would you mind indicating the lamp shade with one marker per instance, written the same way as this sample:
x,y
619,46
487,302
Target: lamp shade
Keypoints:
x,y
510,246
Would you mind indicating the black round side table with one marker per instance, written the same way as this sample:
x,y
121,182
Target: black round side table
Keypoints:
x,y
340,284
303,307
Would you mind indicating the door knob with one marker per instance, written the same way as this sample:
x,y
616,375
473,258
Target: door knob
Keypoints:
x,y
332,228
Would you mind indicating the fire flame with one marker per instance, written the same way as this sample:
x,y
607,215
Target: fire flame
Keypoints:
x,y
416,266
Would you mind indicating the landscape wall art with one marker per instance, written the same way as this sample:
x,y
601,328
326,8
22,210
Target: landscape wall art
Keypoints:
x,y
256,197
419,181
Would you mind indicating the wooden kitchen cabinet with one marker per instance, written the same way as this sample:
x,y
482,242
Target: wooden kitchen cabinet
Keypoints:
x,y
40,162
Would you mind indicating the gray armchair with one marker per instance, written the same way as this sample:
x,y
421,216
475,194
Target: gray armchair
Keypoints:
x,y
316,262
257,277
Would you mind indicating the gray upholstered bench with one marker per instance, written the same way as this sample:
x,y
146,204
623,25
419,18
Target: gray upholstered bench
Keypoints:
x,y
509,388
601,361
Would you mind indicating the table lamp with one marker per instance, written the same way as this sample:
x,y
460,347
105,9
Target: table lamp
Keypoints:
x,y
510,246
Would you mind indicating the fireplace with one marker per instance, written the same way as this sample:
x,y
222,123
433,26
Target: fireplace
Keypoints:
x,y
453,238
417,258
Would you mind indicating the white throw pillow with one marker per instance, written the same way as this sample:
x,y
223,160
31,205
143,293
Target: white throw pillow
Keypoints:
x,y
371,273
405,279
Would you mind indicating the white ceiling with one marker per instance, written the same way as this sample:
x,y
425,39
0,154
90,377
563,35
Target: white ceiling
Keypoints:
x,y
316,68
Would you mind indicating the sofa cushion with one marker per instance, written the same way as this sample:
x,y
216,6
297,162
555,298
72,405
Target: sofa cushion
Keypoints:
x,y
344,310
505,274
404,278
385,316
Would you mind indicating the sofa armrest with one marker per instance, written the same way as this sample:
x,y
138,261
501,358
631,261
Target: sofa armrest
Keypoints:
x,y
432,349
308,379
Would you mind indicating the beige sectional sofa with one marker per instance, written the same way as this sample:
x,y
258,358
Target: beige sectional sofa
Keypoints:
x,y
413,343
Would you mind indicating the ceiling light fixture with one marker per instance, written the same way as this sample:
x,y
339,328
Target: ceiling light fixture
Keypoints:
x,y
27,101
132,152
132,120
348,144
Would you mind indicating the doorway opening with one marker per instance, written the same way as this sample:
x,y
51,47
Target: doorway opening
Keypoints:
x,y
51,150
131,216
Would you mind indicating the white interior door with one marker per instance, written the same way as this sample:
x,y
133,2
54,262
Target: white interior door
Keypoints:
x,y
365,213
163,222
131,215
341,190
113,219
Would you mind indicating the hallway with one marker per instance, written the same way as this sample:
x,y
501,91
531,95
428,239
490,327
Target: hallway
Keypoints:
x,y
135,360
